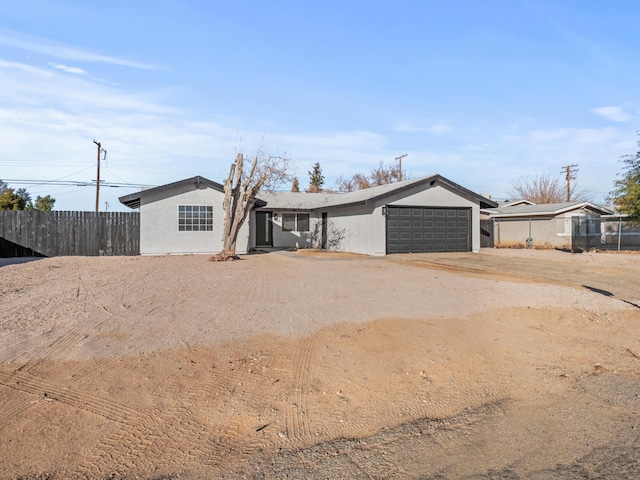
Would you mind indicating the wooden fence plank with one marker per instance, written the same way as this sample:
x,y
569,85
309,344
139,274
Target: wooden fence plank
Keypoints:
x,y
66,233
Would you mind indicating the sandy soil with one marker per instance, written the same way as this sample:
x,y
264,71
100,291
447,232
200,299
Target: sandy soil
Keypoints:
x,y
504,364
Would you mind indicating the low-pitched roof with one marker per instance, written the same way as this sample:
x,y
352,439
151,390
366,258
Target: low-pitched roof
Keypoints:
x,y
514,203
544,209
321,201
133,199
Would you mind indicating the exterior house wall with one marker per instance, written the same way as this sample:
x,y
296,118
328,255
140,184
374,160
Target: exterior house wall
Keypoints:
x,y
159,223
545,231
618,230
310,239
514,232
362,229
358,229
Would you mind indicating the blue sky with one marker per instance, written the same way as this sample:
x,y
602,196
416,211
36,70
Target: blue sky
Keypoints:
x,y
483,92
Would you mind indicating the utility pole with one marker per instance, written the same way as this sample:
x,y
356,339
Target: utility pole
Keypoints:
x,y
570,175
399,159
100,151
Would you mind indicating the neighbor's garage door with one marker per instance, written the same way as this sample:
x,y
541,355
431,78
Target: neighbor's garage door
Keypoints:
x,y
428,229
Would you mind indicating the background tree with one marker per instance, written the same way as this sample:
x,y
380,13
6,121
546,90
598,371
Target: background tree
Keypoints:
x,y
14,199
626,192
43,204
295,185
20,199
316,179
382,175
8,200
242,187
543,188
546,188
385,174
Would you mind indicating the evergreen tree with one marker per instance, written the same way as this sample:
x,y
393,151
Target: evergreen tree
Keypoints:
x,y
44,204
295,185
316,179
20,199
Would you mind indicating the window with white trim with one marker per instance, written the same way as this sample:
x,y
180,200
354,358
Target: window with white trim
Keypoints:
x,y
195,218
295,222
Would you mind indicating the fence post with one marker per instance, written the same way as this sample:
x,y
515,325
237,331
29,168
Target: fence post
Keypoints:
x,y
619,231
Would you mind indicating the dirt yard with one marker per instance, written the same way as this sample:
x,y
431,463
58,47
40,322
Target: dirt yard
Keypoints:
x,y
508,364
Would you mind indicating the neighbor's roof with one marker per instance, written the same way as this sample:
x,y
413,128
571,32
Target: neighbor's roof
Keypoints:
x,y
514,203
543,209
320,201
133,199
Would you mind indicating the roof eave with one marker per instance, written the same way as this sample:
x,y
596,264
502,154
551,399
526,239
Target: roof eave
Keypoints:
x,y
133,200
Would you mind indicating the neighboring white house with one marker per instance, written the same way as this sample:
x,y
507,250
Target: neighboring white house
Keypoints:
x,y
523,223
427,214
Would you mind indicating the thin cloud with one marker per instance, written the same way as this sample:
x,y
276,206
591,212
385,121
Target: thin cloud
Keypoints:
x,y
25,68
53,89
74,70
615,114
53,49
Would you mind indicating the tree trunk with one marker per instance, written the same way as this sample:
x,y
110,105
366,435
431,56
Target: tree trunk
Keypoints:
x,y
239,198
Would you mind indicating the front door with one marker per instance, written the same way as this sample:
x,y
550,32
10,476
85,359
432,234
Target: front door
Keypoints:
x,y
323,245
264,229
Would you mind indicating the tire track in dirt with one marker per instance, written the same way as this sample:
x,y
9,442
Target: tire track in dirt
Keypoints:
x,y
11,409
162,441
298,425
13,353
25,382
64,342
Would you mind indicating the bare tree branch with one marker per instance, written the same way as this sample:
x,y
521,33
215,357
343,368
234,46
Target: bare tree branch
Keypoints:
x,y
546,188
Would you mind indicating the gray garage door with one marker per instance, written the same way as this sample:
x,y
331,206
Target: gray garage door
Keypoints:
x,y
428,229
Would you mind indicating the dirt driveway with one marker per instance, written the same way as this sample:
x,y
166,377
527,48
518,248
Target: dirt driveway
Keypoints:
x,y
504,364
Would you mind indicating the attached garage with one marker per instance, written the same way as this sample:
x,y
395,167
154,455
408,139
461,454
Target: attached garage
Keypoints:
x,y
428,229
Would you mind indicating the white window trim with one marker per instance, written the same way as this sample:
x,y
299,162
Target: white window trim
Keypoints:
x,y
208,217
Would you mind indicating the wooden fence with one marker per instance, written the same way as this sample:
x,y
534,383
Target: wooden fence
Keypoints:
x,y
60,233
486,233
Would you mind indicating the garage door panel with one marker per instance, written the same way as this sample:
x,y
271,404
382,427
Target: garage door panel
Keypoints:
x,y
428,229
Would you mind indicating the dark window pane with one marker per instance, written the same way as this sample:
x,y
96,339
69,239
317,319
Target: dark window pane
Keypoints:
x,y
288,222
303,222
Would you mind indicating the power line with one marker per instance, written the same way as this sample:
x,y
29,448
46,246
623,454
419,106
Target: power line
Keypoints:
x,y
76,183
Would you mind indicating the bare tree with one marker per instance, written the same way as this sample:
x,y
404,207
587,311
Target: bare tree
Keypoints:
x,y
546,188
543,188
382,175
241,189
385,174
357,182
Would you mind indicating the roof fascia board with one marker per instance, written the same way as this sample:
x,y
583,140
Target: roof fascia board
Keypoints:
x,y
134,198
